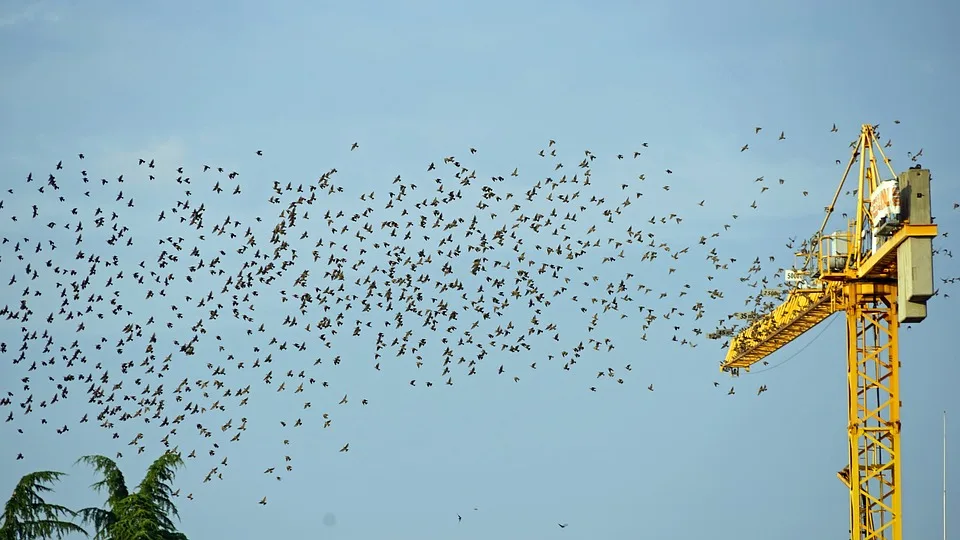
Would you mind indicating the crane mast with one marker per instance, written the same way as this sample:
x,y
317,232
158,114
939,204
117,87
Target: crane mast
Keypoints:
x,y
879,272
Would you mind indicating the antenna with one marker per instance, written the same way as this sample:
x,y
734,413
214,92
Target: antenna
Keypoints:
x,y
944,475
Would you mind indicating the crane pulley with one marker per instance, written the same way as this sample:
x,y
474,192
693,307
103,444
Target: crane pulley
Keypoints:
x,y
880,273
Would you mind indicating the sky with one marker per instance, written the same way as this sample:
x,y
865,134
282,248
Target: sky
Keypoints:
x,y
192,83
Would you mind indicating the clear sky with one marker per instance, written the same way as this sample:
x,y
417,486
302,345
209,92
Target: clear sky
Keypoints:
x,y
194,83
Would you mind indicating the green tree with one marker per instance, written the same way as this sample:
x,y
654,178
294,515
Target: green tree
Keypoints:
x,y
144,514
27,516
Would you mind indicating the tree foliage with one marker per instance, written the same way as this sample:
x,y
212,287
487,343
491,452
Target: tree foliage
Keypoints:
x,y
144,514
27,516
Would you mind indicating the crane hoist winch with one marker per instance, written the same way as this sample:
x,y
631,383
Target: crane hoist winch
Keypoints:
x,y
879,271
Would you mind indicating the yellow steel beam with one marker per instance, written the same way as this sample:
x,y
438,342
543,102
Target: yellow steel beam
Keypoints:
x,y
802,310
865,519
873,399
884,261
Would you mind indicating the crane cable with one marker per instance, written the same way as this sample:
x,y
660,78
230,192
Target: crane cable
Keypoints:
x,y
796,354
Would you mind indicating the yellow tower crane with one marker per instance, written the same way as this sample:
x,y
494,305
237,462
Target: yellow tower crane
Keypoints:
x,y
880,273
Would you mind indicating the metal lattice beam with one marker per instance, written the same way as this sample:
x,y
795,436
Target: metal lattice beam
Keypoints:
x,y
873,390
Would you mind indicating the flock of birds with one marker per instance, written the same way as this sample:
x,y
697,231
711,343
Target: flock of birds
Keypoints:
x,y
450,273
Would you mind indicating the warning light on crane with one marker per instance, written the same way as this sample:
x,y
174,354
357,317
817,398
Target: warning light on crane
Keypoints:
x,y
880,273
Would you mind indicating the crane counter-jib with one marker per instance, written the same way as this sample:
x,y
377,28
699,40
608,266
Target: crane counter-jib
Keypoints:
x,y
802,310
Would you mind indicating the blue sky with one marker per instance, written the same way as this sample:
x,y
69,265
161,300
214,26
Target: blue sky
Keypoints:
x,y
188,84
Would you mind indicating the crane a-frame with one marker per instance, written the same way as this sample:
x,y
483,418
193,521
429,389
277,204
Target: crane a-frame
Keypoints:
x,y
880,273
